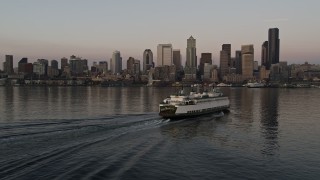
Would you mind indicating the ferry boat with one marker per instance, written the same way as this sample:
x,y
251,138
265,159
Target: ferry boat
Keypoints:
x,y
256,85
194,104
223,85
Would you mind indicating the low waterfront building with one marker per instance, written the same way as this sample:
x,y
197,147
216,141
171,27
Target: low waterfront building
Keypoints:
x,y
165,73
52,72
233,78
39,68
279,73
263,73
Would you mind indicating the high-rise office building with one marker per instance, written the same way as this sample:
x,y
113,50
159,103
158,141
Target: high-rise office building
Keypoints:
x,y
224,67
164,55
64,63
238,60
130,65
116,62
21,65
9,64
136,67
264,54
273,47
255,65
23,61
147,60
247,52
78,66
102,67
205,58
44,63
191,53
191,59
54,64
225,58
25,68
227,48
133,66
176,58
53,70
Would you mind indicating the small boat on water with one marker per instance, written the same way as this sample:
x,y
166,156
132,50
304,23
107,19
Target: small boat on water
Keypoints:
x,y
223,85
256,85
194,104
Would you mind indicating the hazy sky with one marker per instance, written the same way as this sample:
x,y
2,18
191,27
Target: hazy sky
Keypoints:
x,y
94,29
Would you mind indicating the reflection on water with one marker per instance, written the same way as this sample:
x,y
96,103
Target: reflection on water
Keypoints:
x,y
254,111
269,120
19,103
116,133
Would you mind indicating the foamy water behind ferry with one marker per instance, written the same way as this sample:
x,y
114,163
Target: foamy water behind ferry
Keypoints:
x,y
116,133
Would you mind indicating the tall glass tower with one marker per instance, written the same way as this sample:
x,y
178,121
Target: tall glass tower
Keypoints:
x,y
273,47
191,61
116,62
147,60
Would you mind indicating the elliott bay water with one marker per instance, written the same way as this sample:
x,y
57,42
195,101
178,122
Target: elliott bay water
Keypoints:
x,y
116,133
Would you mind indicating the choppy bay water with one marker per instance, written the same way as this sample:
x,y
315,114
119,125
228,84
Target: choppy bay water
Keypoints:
x,y
116,133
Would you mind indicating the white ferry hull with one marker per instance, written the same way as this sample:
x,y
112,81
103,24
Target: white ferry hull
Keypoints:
x,y
210,105
256,85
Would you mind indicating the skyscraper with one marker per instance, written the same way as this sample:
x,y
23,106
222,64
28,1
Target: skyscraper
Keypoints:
x,y
130,65
53,69
77,65
54,64
273,47
103,67
176,58
44,63
264,54
21,65
116,62
225,58
147,60
191,53
164,55
64,63
9,64
227,48
247,52
205,58
133,66
238,62
191,59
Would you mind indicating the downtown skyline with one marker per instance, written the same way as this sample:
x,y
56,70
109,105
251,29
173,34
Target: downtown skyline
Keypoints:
x,y
52,30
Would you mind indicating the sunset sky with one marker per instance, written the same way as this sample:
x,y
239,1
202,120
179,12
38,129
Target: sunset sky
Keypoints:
x,y
94,29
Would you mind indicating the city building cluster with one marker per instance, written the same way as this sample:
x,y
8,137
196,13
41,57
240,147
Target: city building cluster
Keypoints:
x,y
168,69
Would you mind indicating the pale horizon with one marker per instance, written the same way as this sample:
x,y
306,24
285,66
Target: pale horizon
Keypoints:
x,y
51,30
